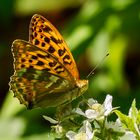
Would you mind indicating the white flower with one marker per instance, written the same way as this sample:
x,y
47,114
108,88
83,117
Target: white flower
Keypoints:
x,y
107,105
58,129
85,133
115,126
128,136
96,110
51,120
91,114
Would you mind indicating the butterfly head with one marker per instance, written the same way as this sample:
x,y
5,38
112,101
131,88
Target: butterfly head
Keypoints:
x,y
82,85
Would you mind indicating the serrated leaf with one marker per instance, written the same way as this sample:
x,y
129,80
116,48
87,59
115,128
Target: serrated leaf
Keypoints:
x,y
128,136
133,112
125,120
128,123
138,118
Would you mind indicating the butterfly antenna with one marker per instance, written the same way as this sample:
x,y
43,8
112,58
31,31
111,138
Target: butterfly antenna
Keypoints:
x,y
92,71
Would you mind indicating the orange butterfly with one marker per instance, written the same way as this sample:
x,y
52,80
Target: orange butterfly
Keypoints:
x,y
45,74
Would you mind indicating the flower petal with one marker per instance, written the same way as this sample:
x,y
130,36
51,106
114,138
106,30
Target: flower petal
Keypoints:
x,y
91,101
70,135
79,111
91,114
89,130
108,105
51,120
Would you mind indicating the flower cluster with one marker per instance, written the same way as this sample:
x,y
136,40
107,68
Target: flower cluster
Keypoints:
x,y
93,122
95,111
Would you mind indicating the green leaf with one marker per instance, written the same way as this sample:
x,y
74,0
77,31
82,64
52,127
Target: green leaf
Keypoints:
x,y
133,112
138,118
128,123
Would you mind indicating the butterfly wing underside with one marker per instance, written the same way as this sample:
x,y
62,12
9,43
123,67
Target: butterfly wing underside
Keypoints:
x,y
45,71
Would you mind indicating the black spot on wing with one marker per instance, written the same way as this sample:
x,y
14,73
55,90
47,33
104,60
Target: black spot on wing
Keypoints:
x,y
46,39
30,60
35,34
36,42
22,66
47,29
61,52
66,59
40,30
40,63
54,39
34,57
23,60
58,67
43,44
60,41
52,64
40,55
32,37
51,49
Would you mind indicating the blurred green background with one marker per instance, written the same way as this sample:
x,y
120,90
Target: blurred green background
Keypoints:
x,y
91,28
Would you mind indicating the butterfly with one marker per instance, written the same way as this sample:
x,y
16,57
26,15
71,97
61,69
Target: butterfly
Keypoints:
x,y
45,72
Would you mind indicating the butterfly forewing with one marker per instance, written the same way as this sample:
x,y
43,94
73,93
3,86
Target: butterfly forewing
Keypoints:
x,y
29,56
45,36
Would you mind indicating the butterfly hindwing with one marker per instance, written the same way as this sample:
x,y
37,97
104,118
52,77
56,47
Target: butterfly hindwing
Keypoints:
x,y
34,88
